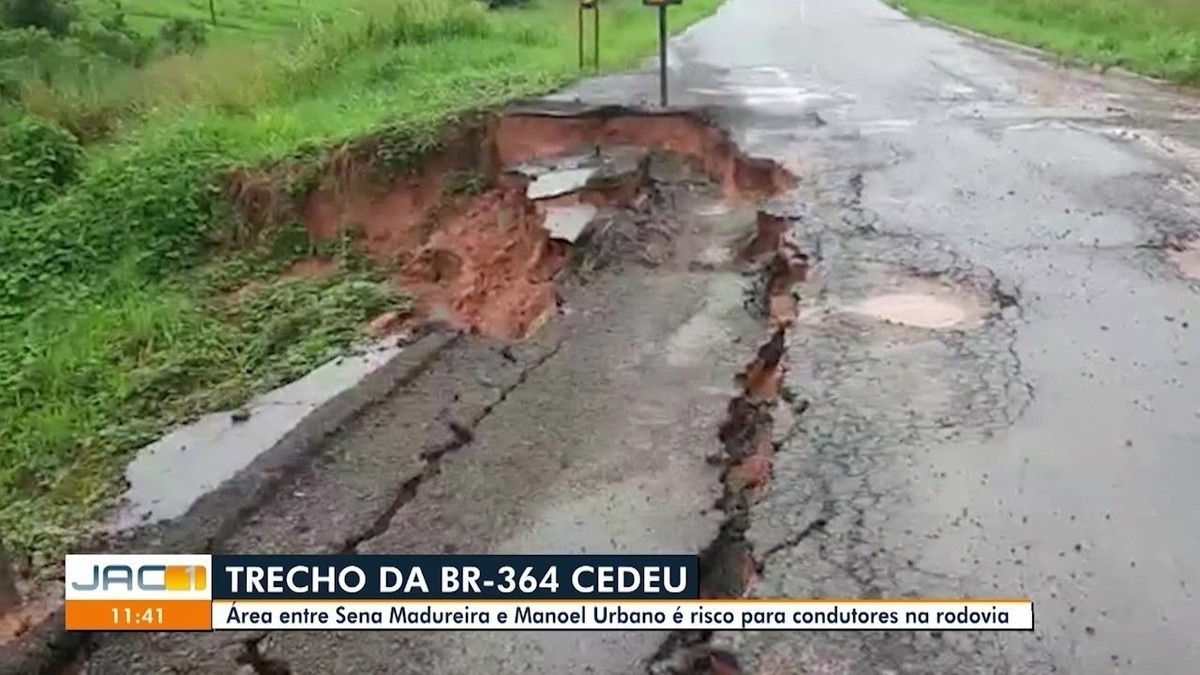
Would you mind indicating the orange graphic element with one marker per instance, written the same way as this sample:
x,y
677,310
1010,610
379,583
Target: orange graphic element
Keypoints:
x,y
139,615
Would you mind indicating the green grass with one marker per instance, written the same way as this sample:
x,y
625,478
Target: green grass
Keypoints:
x,y
118,320
236,19
1160,38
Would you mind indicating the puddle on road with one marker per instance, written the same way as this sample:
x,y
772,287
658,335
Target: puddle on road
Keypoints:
x,y
912,309
1187,259
922,305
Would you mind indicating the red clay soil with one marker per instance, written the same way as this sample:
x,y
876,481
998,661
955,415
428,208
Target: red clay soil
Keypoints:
x,y
388,219
747,432
484,259
768,236
788,267
491,264
520,138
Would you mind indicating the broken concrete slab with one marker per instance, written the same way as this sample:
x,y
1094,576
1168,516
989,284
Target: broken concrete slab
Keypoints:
x,y
560,182
542,166
567,223
619,162
556,176
169,475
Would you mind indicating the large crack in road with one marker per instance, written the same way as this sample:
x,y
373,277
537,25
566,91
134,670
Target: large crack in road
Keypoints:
x,y
833,458
983,394
461,434
591,435
252,655
325,509
749,441
876,390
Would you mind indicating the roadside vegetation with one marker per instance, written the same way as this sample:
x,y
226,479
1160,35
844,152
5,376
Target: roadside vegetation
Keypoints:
x,y
1160,38
131,298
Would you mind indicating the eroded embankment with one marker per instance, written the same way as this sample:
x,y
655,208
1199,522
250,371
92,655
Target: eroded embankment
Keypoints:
x,y
467,231
475,235
472,233
481,230
729,567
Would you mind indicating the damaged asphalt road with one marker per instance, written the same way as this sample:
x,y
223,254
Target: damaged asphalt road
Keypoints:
x,y
1040,442
589,436
995,363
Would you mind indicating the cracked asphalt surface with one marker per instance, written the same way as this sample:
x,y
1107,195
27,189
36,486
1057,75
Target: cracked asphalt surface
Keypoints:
x,y
1047,452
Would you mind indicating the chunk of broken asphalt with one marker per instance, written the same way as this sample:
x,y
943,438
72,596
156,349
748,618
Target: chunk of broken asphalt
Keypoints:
x,y
555,183
567,223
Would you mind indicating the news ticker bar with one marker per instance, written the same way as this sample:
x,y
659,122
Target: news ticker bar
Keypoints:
x,y
467,592
501,615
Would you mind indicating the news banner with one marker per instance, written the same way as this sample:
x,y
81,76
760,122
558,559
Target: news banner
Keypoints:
x,y
465,592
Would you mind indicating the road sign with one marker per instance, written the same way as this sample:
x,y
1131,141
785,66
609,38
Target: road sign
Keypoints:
x,y
662,44
592,6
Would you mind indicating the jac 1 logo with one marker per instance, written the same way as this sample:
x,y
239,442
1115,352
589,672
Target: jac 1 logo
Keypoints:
x,y
143,578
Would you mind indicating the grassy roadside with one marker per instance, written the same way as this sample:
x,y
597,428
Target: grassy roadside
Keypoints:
x,y
235,19
1160,38
116,316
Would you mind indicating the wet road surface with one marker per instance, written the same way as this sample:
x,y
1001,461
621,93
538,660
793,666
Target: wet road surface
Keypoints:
x,y
1049,453
1039,440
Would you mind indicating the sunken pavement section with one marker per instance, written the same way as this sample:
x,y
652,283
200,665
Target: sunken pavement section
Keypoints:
x,y
602,382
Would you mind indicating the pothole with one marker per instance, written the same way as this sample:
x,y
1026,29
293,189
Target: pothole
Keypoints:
x,y
912,309
1186,259
923,305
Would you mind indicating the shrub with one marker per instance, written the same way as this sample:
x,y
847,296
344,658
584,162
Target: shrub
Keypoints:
x,y
182,35
54,16
59,78
116,38
426,21
37,158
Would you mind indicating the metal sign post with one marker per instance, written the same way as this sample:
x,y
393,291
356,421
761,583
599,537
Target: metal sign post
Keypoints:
x,y
594,7
662,44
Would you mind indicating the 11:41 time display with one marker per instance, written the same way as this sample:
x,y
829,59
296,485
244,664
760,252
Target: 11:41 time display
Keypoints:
x,y
148,615
134,617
